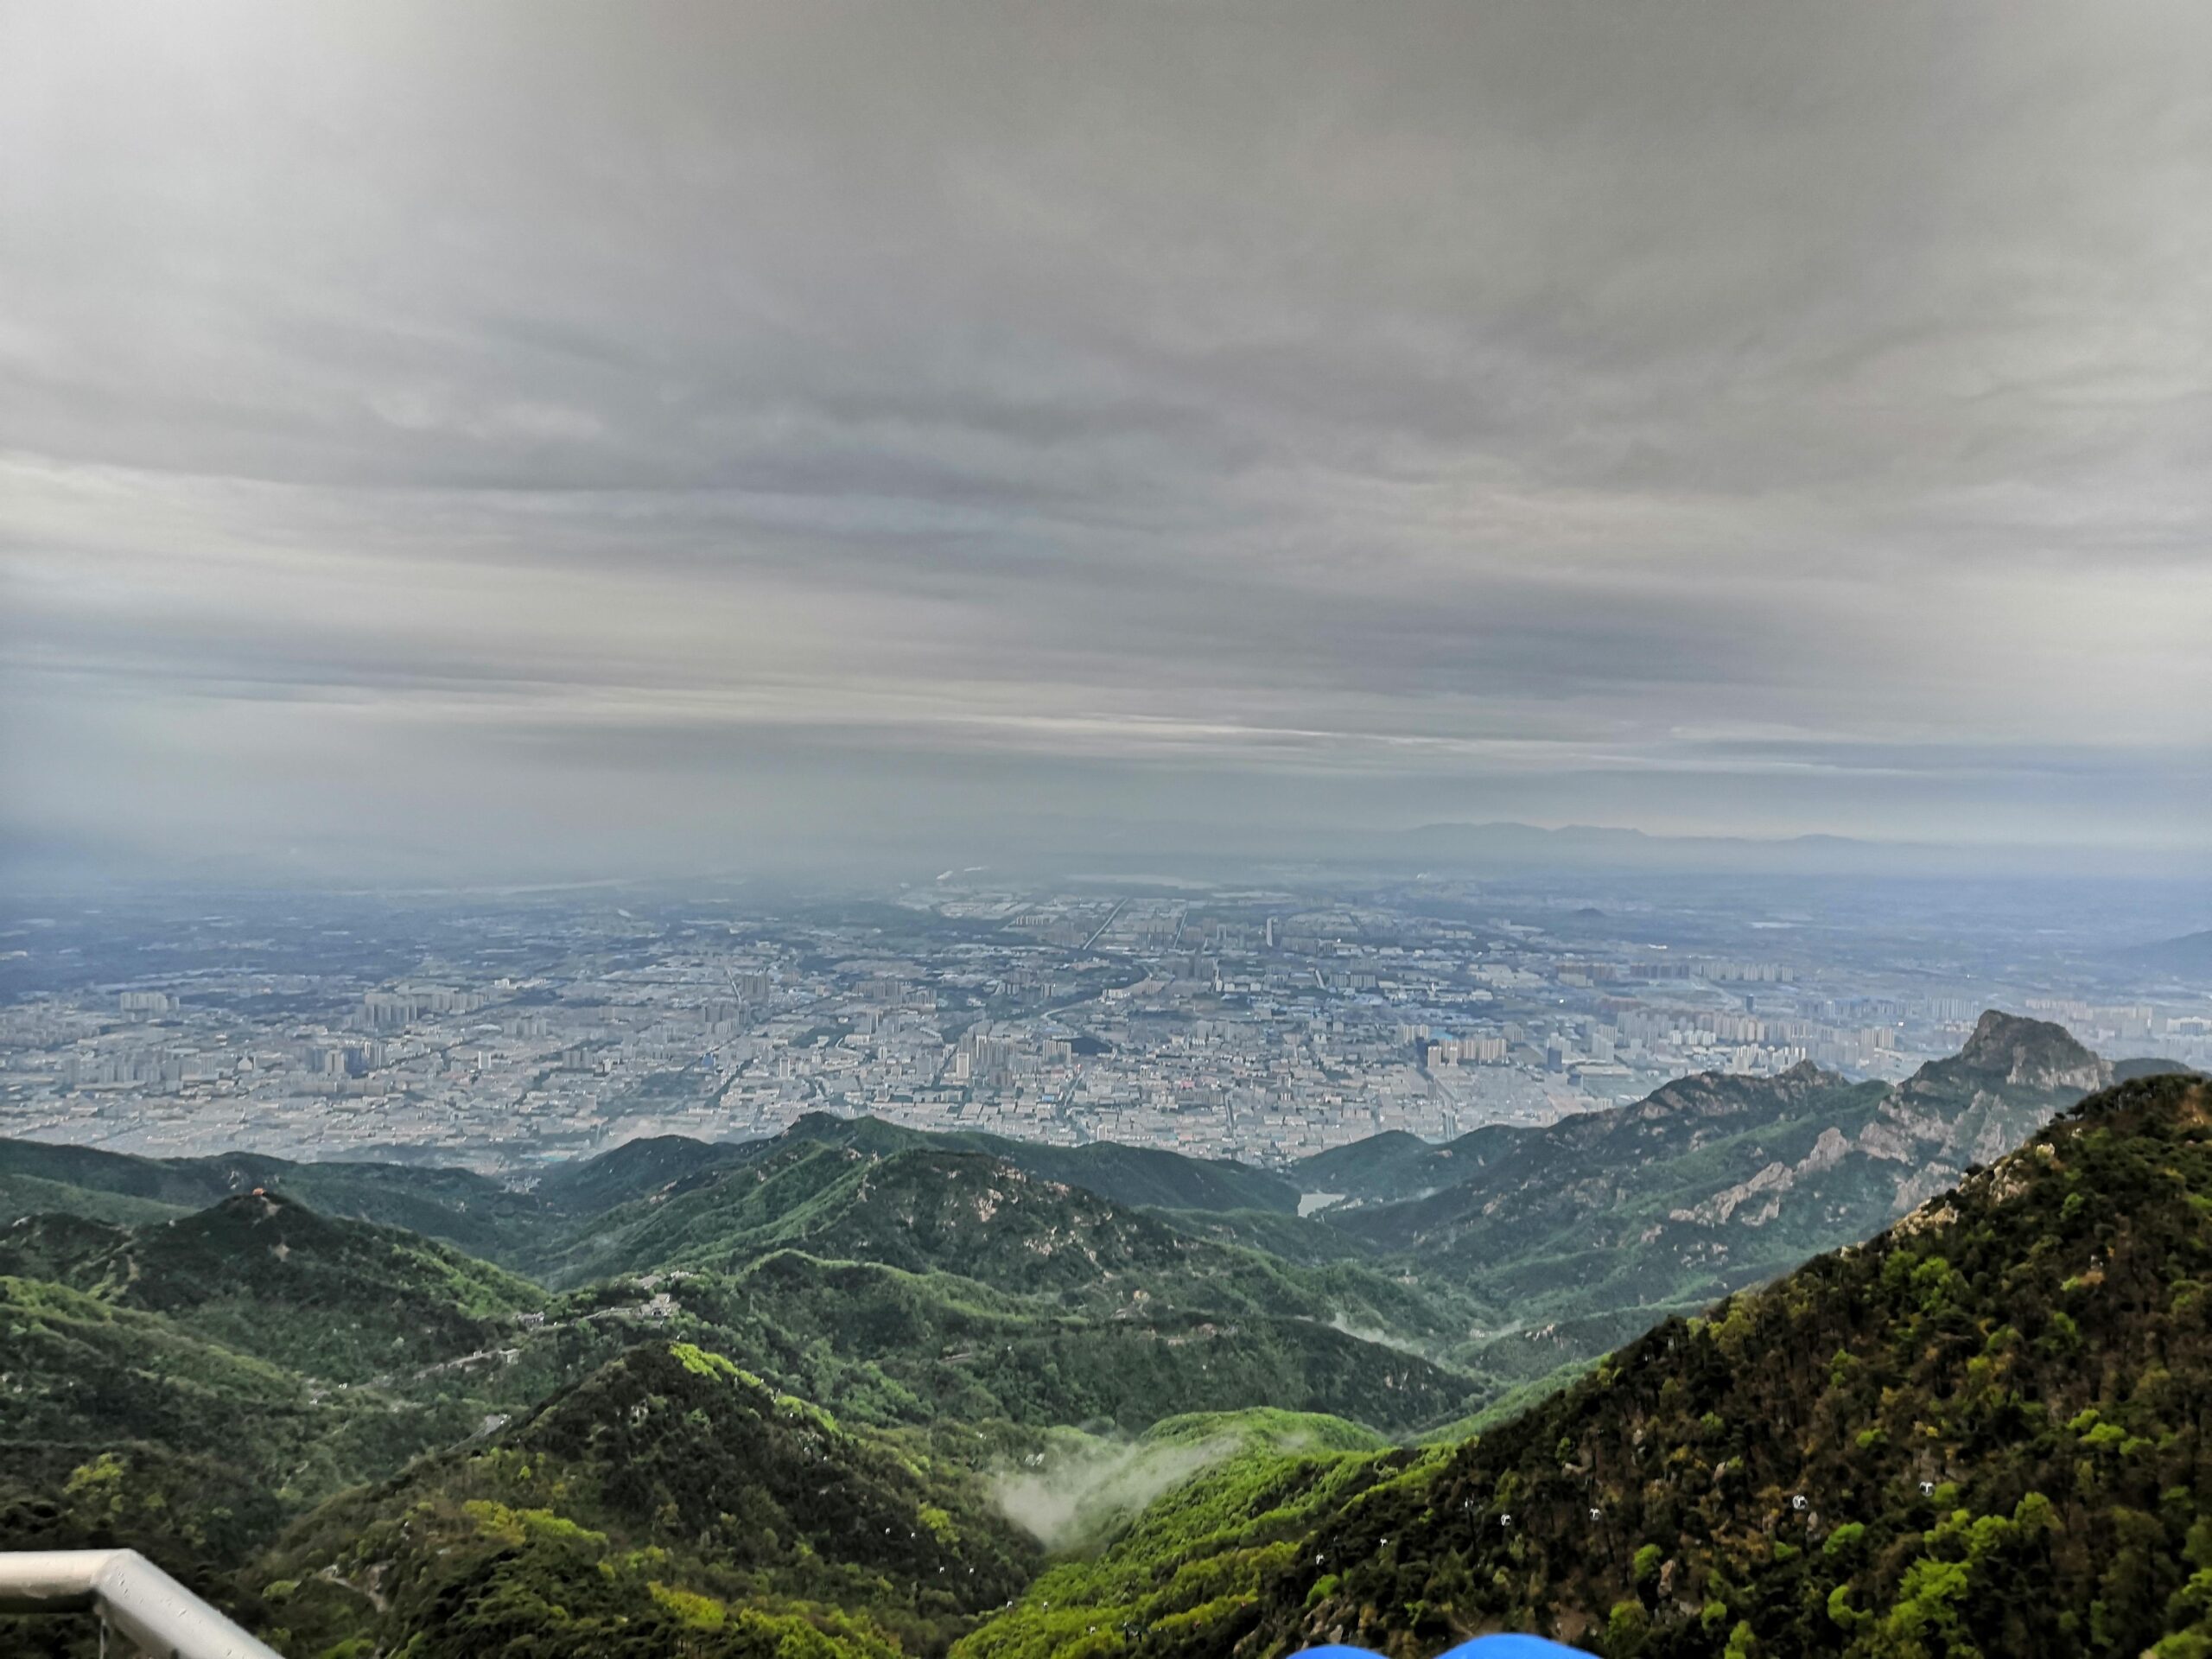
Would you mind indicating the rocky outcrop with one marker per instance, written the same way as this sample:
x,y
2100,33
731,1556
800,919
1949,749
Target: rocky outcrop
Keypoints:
x,y
2027,1054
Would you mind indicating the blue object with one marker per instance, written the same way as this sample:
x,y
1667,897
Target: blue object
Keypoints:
x,y
1482,1647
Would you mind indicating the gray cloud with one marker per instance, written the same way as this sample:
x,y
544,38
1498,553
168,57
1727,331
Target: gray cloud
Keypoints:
x,y
1703,416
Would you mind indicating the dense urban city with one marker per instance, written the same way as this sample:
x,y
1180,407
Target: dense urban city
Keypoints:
x,y
1262,1022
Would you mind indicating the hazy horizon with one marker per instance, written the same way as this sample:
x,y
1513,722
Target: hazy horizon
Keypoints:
x,y
521,442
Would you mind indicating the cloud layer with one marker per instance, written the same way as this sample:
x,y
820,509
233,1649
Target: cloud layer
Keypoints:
x,y
565,436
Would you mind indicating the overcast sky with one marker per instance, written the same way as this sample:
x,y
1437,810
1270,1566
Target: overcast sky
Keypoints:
x,y
610,437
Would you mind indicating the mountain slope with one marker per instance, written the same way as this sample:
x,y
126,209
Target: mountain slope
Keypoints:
x,y
2188,957
1136,1176
1307,1241
916,1348
1982,1433
637,1169
36,1195
84,1381
669,1503
1715,1182
928,1209
1383,1168
185,1184
343,1300
469,1212
1184,1578
1146,1177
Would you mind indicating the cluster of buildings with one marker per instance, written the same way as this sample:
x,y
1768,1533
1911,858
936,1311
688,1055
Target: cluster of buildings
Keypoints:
x,y
1257,1024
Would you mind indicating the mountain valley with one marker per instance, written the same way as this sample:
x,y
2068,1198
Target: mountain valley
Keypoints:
x,y
370,1438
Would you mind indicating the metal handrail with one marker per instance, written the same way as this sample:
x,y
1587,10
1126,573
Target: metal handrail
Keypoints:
x,y
164,1618
131,1594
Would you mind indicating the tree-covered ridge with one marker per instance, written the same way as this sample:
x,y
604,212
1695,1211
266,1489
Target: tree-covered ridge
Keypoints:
x,y
915,1209
634,1171
958,1310
1385,1168
1529,1250
470,1212
1147,1177
1982,1434
341,1300
1307,1241
22,1196
573,1204
82,1380
1590,1227
897,1347
670,1503
123,1427
1135,1177
1179,1578
177,1332
926,1208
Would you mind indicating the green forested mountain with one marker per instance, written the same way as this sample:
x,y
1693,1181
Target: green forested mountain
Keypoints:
x,y
1183,1577
181,1401
916,1208
1983,1432
91,1392
186,1184
1306,1240
1138,1177
1592,1227
36,1195
217,1335
1383,1168
188,1385
193,1380
926,1208
1146,1177
892,1346
471,1212
637,1169
339,1300
526,1230
669,1503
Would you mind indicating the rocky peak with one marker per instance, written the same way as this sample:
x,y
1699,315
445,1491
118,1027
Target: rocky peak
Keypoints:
x,y
2033,1052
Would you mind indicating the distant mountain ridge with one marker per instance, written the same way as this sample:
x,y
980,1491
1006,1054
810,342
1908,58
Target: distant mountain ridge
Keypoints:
x,y
515,1228
1141,1177
338,1300
1518,1251
1523,847
860,1190
471,1211
2189,956
1710,1184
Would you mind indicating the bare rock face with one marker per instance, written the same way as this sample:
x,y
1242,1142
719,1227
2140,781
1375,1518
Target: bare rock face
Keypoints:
x,y
1769,1184
2012,1076
2032,1053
